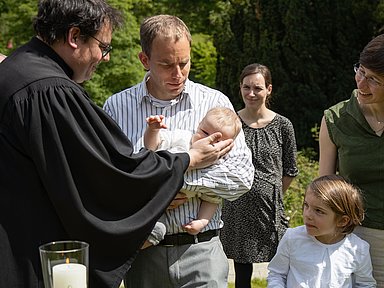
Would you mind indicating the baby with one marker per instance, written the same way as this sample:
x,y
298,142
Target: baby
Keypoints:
x,y
156,137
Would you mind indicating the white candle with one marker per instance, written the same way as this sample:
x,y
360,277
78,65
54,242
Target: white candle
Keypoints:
x,y
71,275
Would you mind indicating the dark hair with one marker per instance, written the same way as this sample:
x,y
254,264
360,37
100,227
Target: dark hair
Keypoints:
x,y
342,197
162,25
372,56
56,17
257,68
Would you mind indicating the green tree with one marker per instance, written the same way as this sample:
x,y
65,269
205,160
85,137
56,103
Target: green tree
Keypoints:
x,y
310,47
124,68
195,13
16,23
203,60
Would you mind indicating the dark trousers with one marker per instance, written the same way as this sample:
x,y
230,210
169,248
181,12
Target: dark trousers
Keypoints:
x,y
243,275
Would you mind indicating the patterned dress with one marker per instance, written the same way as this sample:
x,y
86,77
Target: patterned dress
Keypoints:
x,y
254,223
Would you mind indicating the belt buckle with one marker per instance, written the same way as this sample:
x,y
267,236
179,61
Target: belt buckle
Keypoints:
x,y
195,239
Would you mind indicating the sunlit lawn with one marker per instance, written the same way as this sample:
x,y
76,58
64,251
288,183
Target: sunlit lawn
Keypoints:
x,y
256,283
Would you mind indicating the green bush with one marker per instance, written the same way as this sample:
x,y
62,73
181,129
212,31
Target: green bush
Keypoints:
x,y
203,68
294,196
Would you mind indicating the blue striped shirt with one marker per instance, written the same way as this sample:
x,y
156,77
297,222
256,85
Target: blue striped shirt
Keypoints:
x,y
132,106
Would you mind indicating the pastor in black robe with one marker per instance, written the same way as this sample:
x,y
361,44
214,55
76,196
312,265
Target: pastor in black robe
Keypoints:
x,y
68,172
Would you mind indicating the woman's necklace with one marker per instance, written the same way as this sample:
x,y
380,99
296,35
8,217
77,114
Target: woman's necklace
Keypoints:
x,y
381,123
375,122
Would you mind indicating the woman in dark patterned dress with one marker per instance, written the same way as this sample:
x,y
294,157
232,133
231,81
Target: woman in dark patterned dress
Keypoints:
x,y
254,223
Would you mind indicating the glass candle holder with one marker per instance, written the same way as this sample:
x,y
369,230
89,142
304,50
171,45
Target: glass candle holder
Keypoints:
x,y
65,264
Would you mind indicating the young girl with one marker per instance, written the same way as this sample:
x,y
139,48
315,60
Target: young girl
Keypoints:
x,y
324,252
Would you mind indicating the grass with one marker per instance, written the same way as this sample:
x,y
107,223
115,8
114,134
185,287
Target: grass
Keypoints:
x,y
256,283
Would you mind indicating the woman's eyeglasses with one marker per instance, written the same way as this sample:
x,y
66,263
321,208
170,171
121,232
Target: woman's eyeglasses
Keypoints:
x,y
360,74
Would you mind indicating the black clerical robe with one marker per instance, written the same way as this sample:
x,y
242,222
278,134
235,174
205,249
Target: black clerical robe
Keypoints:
x,y
68,172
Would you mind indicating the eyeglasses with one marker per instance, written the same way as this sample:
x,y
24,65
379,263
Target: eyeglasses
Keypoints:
x,y
360,75
105,48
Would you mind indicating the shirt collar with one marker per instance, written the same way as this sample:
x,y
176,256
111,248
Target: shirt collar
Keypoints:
x,y
353,109
144,94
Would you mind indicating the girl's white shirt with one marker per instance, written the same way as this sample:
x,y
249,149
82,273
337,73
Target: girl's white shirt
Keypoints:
x,y
303,261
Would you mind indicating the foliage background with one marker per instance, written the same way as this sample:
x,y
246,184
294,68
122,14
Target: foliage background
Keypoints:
x,y
310,47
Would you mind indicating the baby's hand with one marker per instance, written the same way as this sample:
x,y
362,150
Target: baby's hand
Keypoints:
x,y
195,226
156,122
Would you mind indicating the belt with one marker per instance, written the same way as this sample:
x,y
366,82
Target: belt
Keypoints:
x,y
185,238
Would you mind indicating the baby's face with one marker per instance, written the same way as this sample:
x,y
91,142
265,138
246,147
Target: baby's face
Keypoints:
x,y
208,126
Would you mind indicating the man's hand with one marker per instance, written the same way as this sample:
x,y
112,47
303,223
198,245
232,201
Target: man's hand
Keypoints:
x,y
207,151
179,199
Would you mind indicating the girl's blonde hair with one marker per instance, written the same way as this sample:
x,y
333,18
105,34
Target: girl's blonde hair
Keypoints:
x,y
342,197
